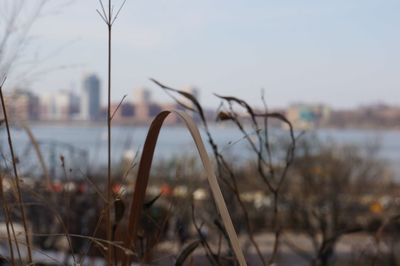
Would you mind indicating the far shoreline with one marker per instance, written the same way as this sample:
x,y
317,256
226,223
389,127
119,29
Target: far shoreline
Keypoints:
x,y
82,123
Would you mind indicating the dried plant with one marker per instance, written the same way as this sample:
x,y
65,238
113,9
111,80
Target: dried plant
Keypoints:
x,y
261,147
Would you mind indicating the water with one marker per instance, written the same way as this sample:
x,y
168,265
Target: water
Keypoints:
x,y
86,146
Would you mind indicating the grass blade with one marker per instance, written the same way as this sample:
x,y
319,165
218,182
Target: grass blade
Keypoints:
x,y
143,177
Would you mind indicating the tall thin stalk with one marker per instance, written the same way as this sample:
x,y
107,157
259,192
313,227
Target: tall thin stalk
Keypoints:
x,y
108,216
109,19
14,163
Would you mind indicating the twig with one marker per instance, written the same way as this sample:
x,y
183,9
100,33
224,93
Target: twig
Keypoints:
x,y
212,258
119,105
119,10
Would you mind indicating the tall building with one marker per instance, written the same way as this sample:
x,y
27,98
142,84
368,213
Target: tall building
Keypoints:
x,y
90,98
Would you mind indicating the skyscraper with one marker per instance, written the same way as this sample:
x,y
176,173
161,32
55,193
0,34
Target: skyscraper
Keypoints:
x,y
90,99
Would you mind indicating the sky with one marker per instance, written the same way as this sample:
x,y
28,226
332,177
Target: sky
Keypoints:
x,y
342,53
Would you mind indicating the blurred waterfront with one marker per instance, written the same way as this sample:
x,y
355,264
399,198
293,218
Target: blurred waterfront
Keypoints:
x,y
86,145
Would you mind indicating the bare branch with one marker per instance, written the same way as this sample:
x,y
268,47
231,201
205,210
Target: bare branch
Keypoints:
x,y
103,18
104,11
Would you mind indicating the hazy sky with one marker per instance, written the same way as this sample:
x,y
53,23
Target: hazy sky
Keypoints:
x,y
343,53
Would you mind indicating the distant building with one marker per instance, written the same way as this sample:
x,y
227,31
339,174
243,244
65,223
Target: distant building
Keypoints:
x,y
143,104
60,105
141,95
90,98
376,115
123,113
307,116
22,105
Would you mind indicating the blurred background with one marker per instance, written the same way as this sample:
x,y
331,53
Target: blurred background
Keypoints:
x,y
297,102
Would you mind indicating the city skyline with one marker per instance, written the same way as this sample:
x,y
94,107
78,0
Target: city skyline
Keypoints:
x,y
66,105
342,54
